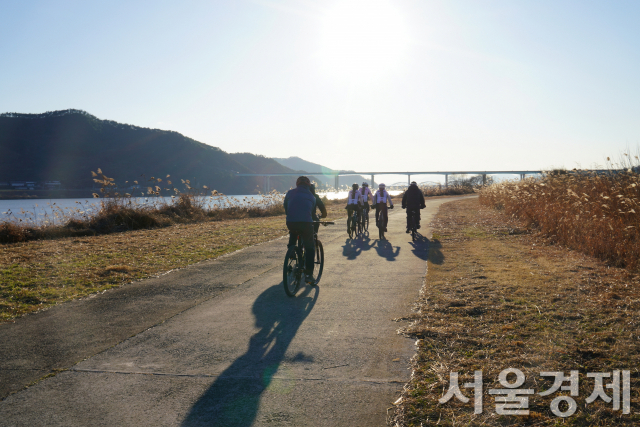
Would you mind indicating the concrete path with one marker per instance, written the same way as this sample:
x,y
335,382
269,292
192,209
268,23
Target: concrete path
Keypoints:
x,y
220,344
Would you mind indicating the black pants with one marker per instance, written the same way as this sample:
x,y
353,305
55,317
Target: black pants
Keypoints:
x,y
305,231
350,209
417,211
379,208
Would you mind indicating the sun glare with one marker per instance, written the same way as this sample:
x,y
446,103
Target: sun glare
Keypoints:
x,y
362,39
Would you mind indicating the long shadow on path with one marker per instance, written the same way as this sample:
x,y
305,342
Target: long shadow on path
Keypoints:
x,y
386,250
234,398
352,248
428,250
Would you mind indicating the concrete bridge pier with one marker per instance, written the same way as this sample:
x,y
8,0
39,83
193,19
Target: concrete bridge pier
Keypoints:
x,y
446,180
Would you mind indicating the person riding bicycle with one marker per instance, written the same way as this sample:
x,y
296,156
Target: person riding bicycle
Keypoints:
x,y
354,202
381,198
319,205
366,195
413,201
299,205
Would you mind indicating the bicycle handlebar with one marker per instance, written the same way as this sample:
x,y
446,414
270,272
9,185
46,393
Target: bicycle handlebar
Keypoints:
x,y
325,223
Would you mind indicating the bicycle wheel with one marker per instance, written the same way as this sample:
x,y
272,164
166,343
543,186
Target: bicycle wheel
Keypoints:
x,y
414,232
292,271
318,263
366,220
354,224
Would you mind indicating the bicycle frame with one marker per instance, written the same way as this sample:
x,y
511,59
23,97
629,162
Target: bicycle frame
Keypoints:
x,y
294,263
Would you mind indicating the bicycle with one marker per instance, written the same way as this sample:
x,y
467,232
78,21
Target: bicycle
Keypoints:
x,y
413,227
294,262
365,218
356,224
381,219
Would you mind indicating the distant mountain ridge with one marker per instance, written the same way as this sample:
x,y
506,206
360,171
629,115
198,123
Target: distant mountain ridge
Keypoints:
x,y
67,145
309,167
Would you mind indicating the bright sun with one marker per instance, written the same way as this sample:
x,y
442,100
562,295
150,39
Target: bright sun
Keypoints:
x,y
362,39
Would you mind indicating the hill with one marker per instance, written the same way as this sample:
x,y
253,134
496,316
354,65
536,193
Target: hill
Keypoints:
x,y
299,164
67,145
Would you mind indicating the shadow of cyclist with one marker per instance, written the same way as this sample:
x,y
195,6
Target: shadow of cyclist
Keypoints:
x,y
351,248
421,247
386,250
233,399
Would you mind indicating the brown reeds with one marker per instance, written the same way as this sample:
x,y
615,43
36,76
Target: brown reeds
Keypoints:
x,y
595,213
119,212
450,190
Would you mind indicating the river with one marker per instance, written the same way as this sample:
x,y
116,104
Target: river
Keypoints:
x,y
57,211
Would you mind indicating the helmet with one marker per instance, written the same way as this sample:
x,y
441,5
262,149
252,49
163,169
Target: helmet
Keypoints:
x,y
381,185
303,180
354,186
365,184
414,183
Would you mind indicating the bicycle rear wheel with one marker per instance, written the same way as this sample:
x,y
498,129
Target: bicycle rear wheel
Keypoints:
x,y
292,272
318,263
381,225
414,230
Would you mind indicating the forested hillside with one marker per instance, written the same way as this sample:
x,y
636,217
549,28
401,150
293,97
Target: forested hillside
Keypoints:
x,y
67,145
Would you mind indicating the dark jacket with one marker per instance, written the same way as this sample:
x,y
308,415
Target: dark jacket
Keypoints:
x,y
319,205
299,204
413,198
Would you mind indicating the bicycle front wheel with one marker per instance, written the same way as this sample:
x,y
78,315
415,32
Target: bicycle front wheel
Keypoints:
x,y
318,262
292,272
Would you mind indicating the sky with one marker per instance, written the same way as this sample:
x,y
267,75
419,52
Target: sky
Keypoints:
x,y
375,85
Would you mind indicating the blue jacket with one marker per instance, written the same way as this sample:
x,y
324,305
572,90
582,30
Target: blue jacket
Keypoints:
x,y
299,204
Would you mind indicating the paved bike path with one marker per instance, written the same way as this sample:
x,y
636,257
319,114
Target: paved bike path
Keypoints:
x,y
219,343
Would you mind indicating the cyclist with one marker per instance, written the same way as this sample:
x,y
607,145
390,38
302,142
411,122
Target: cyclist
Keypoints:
x,y
319,205
299,205
413,201
381,198
354,201
366,195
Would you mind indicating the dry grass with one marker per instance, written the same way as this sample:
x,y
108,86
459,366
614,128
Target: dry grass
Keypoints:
x,y
597,214
37,274
451,190
498,297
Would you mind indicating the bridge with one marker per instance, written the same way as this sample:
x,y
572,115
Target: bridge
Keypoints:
x,y
446,174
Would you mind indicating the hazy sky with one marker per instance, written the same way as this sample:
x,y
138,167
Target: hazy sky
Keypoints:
x,y
362,85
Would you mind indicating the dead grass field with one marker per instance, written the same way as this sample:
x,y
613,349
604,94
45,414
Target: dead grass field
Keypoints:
x,y
37,274
498,297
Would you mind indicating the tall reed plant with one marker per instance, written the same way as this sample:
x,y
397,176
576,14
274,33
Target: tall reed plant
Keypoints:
x,y
595,213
